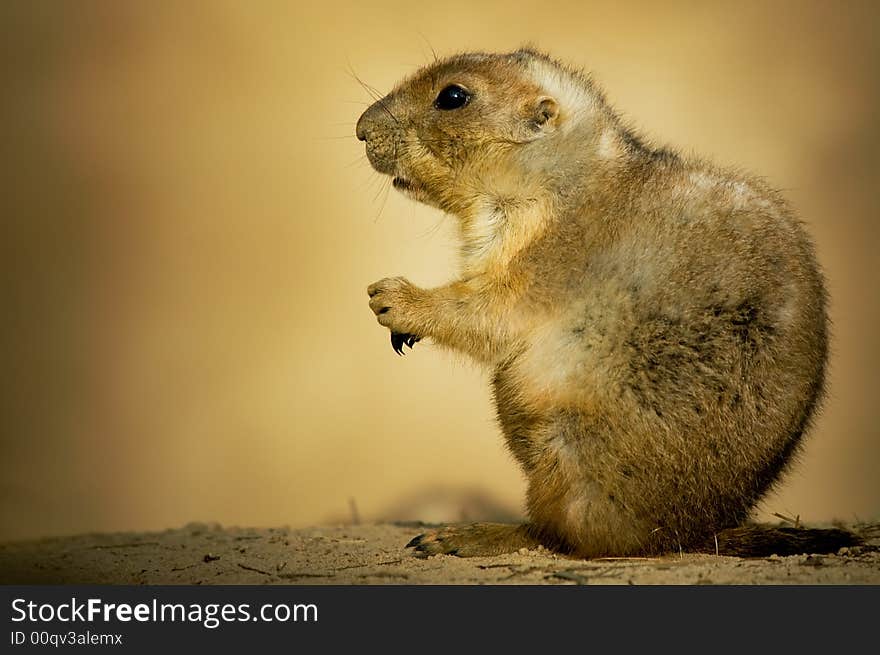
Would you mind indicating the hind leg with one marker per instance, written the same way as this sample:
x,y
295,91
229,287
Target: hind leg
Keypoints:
x,y
587,518
585,490
573,521
577,502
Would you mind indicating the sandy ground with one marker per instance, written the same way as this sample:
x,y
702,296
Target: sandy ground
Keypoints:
x,y
375,554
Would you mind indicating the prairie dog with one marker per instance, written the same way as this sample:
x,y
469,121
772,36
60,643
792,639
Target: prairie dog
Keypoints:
x,y
656,325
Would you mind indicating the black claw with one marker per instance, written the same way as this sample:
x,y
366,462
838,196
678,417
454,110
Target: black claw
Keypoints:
x,y
399,339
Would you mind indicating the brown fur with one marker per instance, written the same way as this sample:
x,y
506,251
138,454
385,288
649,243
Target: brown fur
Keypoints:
x,y
656,325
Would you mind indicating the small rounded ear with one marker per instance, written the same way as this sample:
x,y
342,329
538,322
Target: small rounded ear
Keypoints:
x,y
541,116
546,111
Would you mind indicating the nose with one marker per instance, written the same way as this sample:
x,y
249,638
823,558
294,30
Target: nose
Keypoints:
x,y
368,121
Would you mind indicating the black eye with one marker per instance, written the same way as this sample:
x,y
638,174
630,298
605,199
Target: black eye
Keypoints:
x,y
452,97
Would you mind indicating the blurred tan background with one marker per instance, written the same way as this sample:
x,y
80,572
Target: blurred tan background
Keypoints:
x,y
190,227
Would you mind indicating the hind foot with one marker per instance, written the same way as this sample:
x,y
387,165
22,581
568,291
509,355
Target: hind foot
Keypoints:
x,y
474,540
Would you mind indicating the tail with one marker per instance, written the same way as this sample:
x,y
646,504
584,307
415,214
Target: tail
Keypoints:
x,y
756,540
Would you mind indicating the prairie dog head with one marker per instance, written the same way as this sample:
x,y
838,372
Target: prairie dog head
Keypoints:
x,y
477,128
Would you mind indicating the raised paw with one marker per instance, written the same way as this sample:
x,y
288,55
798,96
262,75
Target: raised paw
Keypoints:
x,y
395,302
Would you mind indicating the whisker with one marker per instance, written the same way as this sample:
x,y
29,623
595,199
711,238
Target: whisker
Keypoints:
x,y
431,231
384,199
369,87
373,93
380,189
371,90
425,39
359,160
387,111
367,184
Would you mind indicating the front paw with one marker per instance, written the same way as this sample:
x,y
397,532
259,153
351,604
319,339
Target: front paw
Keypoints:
x,y
393,301
398,340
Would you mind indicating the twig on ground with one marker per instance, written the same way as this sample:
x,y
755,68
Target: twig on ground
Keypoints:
x,y
796,521
353,508
254,569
